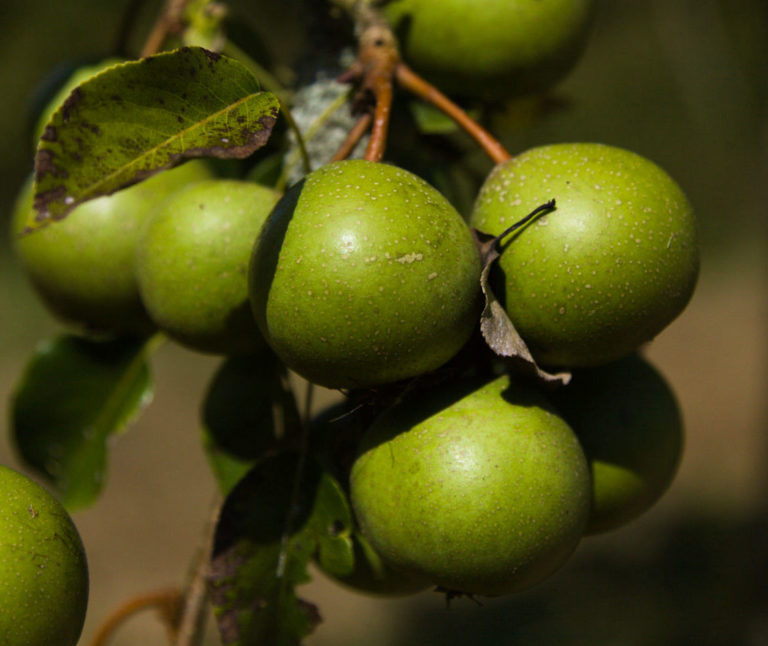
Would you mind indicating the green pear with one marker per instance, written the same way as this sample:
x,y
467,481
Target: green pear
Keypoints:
x,y
43,569
192,264
483,490
629,424
604,272
363,275
493,49
82,267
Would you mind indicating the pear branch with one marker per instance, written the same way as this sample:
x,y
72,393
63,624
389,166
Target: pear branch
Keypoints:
x,y
378,60
412,82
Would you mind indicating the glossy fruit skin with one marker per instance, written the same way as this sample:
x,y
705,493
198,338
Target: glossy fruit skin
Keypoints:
x,y
364,274
628,421
192,264
43,569
608,269
493,49
481,490
82,267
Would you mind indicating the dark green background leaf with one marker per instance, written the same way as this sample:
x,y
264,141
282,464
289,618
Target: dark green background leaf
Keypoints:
x,y
140,117
271,524
246,411
75,394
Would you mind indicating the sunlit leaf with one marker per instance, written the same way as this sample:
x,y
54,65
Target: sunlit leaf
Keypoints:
x,y
73,396
137,118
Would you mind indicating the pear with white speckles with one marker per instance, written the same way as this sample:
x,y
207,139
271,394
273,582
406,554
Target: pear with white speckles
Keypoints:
x,y
363,275
82,267
192,264
43,569
483,490
608,269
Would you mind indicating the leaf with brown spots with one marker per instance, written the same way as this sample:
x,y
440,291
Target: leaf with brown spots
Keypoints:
x,y
497,328
280,514
135,119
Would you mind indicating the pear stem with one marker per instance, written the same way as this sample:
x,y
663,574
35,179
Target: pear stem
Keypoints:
x,y
412,82
166,602
378,59
354,136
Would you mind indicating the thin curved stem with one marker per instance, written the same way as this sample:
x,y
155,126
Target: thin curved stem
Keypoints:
x,y
167,602
354,137
412,82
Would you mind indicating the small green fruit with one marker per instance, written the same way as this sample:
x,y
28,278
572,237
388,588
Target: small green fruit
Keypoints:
x,y
491,49
372,575
608,269
484,491
364,274
43,569
82,267
192,264
629,424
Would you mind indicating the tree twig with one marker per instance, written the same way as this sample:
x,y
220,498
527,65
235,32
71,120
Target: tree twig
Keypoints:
x,y
191,622
168,22
378,59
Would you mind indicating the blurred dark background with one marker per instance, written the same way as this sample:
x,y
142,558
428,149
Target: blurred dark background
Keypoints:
x,y
683,82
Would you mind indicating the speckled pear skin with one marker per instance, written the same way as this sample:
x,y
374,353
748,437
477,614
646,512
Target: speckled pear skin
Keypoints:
x,y
608,269
483,490
493,49
364,274
43,569
83,266
192,264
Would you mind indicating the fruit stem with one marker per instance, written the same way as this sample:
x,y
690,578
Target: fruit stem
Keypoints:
x,y
354,136
378,60
167,602
542,208
412,82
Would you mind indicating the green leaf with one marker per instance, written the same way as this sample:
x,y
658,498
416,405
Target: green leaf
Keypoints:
x,y
75,394
271,524
137,118
246,411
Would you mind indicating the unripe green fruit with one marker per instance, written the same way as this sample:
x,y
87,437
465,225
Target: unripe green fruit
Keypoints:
x,y
43,569
372,575
192,264
628,422
494,48
364,274
483,491
608,269
82,267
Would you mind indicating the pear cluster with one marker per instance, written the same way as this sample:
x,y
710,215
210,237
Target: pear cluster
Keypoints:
x,y
463,472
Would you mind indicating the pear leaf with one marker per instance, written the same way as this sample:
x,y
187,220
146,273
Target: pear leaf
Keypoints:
x,y
135,119
74,395
497,328
271,524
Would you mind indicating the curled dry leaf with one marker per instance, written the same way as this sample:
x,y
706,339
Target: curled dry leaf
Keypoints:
x,y
497,328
